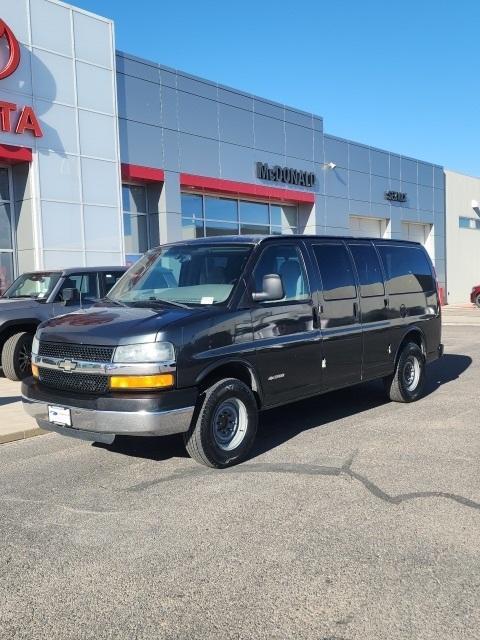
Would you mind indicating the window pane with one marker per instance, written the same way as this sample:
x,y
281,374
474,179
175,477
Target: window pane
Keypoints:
x,y
254,213
136,234
221,209
368,269
284,216
134,198
192,206
285,261
6,271
192,229
407,268
214,228
4,186
336,271
5,227
278,231
253,229
85,283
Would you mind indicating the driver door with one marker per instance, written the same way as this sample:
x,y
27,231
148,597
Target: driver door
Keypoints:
x,y
287,343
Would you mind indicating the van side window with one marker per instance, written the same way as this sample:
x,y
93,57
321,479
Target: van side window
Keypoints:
x,y
407,269
336,271
285,261
369,271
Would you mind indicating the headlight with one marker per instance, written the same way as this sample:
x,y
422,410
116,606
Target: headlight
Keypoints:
x,y
35,346
149,352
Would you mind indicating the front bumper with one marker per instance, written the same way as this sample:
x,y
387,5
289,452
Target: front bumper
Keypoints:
x,y
101,419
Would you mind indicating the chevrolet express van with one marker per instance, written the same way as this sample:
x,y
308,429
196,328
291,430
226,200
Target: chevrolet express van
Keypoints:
x,y
200,336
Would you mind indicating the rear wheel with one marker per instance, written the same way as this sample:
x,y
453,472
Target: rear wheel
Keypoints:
x,y
408,381
225,426
477,300
17,356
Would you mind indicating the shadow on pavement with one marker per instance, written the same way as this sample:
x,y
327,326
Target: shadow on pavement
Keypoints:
x,y
9,400
280,425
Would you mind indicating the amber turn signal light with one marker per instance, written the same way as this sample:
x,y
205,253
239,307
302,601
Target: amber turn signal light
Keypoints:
x,y
35,372
160,381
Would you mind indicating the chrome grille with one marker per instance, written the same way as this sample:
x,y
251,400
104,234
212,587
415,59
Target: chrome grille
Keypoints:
x,y
78,382
87,352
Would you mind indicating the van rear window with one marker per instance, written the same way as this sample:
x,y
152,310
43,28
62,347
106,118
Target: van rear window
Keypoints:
x,y
408,269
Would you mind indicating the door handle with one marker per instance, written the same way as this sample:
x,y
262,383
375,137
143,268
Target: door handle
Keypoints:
x,y
403,310
385,302
355,310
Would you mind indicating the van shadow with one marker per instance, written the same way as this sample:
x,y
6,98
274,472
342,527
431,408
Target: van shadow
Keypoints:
x,y
277,426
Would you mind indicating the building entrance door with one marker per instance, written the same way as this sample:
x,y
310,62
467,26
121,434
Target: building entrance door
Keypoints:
x,y
7,230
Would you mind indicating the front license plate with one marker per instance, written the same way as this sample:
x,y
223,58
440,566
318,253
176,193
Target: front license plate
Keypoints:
x,y
59,415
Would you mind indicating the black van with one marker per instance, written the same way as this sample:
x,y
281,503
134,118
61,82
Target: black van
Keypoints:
x,y
199,336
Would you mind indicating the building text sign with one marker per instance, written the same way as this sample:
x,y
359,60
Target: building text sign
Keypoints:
x,y
14,118
285,174
395,196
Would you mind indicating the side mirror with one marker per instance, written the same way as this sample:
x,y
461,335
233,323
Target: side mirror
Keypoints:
x,y
272,289
70,296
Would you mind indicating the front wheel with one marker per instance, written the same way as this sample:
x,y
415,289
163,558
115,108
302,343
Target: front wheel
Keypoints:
x,y
477,300
225,426
17,355
408,381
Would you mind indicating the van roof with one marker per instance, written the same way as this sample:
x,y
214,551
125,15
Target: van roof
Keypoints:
x,y
256,239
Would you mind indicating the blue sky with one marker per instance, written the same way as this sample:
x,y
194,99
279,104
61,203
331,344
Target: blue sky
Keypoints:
x,y
403,75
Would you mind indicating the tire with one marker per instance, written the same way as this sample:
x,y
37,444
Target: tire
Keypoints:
x,y
16,356
408,381
477,301
224,426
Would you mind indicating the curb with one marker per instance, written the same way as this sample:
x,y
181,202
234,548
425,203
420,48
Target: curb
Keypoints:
x,y
21,435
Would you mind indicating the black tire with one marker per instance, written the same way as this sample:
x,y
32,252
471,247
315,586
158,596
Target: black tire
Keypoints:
x,y
410,367
207,439
477,301
16,356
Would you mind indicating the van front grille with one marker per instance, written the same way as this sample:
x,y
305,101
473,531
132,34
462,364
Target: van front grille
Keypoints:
x,y
86,352
78,382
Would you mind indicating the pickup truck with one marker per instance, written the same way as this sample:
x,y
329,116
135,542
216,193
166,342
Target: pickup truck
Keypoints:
x,y
41,295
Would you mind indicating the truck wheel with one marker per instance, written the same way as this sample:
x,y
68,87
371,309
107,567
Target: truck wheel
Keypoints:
x,y
17,355
477,300
408,381
225,426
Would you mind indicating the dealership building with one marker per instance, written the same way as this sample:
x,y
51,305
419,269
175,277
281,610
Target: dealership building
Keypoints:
x,y
104,155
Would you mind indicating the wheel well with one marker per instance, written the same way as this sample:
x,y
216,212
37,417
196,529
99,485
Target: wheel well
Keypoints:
x,y
15,328
232,370
416,336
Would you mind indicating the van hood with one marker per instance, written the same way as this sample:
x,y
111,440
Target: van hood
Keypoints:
x,y
17,303
114,325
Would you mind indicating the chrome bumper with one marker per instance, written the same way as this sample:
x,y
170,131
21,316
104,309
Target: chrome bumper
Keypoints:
x,y
103,426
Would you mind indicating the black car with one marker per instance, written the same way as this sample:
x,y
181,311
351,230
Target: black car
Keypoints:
x,y
38,296
200,336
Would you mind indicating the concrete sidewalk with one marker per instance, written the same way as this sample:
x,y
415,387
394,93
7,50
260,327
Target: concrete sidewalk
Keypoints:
x,y
15,424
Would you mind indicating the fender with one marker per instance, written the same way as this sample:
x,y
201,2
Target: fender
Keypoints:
x,y
412,329
255,378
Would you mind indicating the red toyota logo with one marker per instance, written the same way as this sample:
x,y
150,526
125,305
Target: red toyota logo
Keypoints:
x,y
14,51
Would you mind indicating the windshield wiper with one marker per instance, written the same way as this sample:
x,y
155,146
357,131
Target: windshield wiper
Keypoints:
x,y
173,303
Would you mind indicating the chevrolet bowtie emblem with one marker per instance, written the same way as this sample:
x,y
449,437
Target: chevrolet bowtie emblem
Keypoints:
x,y
67,365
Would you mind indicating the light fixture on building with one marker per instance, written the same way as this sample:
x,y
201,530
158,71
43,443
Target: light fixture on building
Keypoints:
x,y
329,165
476,206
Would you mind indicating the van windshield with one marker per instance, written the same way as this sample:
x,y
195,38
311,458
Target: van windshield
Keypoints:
x,y
184,274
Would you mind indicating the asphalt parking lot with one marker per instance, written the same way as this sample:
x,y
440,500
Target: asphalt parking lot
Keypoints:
x,y
355,518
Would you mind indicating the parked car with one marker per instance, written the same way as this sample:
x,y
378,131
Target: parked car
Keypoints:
x,y
38,296
242,324
475,295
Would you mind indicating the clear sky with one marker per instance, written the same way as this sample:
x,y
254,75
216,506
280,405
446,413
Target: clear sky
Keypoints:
x,y
403,75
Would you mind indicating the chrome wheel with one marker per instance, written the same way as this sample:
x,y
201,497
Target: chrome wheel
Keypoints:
x,y
230,422
411,373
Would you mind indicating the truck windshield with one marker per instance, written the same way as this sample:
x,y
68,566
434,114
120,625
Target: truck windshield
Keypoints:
x,y
33,285
184,274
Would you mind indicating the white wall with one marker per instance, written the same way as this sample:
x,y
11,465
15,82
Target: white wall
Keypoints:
x,y
67,73
463,245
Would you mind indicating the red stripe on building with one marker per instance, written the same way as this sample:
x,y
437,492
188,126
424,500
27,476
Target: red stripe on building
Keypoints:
x,y
142,174
231,187
15,155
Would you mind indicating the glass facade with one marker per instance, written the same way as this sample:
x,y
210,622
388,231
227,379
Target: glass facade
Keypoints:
x,y
135,221
469,223
6,231
206,216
